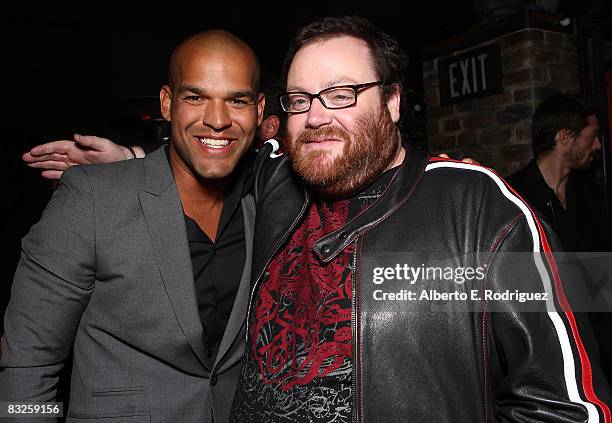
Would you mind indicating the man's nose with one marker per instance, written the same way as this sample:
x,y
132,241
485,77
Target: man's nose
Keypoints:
x,y
597,144
216,115
318,115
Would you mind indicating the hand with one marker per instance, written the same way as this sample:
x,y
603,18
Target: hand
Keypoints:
x,y
467,160
56,156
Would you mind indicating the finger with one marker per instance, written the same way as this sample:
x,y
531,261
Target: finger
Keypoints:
x,y
55,157
469,160
50,165
60,146
444,156
27,157
90,141
52,174
82,140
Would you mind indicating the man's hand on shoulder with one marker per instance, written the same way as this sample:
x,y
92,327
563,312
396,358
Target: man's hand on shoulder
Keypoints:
x,y
467,160
56,156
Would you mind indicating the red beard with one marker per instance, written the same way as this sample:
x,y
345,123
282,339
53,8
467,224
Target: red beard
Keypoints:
x,y
368,153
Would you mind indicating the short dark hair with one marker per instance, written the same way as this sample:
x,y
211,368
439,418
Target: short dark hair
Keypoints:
x,y
555,113
389,59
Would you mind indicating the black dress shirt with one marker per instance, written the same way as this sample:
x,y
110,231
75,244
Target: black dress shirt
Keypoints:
x,y
217,265
580,227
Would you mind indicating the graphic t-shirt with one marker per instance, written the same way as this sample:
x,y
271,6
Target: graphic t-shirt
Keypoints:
x,y
298,362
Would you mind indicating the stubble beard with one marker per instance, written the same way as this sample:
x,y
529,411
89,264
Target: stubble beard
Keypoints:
x,y
367,154
579,162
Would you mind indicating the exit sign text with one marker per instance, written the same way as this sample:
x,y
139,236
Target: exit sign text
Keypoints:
x,y
477,73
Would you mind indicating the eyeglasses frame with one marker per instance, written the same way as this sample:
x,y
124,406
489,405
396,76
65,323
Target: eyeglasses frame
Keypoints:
x,y
356,88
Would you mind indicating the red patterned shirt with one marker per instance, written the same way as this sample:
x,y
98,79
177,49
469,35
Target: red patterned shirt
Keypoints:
x,y
300,339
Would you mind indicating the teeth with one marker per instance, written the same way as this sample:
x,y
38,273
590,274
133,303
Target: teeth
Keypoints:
x,y
209,142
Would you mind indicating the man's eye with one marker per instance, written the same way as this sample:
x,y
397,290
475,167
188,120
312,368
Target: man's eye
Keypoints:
x,y
192,98
238,102
298,101
340,97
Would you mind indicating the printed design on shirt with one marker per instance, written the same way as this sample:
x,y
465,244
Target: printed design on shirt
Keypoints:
x,y
316,403
302,329
298,366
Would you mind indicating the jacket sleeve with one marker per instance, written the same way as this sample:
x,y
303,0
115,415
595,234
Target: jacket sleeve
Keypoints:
x,y
52,286
543,366
261,169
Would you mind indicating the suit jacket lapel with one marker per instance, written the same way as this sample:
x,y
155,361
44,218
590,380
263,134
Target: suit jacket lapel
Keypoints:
x,y
163,213
238,316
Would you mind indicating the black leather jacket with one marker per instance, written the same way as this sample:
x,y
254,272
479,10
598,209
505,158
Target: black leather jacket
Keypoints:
x,y
414,364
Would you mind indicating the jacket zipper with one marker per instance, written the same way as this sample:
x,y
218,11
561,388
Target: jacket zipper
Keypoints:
x,y
281,241
356,375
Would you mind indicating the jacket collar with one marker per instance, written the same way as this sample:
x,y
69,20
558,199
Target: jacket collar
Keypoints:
x,y
399,190
163,213
158,173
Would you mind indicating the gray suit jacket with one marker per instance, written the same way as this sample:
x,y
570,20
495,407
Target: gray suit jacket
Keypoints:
x,y
108,271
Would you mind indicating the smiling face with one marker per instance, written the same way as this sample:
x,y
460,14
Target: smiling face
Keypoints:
x,y
212,106
340,151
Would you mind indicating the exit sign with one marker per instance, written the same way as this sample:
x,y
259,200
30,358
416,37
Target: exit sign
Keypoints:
x,y
477,73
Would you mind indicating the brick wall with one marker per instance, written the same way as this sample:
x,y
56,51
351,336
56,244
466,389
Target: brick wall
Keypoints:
x,y
495,129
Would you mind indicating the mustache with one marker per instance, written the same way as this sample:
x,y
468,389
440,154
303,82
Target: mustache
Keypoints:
x,y
325,131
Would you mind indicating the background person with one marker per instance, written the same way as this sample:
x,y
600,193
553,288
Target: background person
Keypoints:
x,y
565,140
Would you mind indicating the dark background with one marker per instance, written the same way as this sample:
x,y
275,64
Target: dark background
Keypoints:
x,y
97,69
68,68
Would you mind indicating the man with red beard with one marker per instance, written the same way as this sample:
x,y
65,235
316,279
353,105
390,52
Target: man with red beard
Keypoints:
x,y
323,342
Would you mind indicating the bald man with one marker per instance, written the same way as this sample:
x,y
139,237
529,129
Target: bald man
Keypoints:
x,y
142,267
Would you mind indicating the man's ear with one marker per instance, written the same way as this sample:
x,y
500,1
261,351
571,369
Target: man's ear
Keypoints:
x,y
261,103
165,101
269,127
564,137
393,102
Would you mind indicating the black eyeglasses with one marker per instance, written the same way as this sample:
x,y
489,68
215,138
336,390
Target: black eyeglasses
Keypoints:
x,y
331,98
